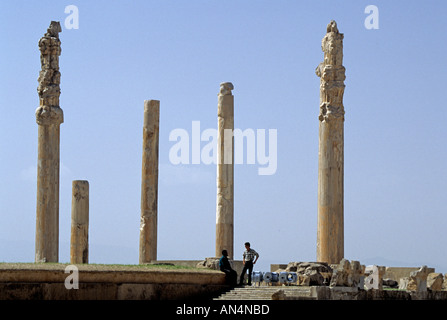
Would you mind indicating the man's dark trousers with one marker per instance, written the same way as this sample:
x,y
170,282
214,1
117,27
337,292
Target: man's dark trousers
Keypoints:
x,y
247,266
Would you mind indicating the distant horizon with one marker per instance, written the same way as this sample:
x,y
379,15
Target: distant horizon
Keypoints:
x,y
263,264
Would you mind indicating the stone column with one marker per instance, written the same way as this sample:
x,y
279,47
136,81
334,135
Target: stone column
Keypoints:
x,y
49,116
330,236
79,222
225,170
149,182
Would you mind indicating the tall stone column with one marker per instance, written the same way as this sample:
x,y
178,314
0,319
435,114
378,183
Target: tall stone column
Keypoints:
x,y
330,238
225,170
149,182
79,222
49,117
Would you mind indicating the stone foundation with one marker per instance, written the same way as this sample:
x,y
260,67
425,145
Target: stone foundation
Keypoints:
x,y
47,282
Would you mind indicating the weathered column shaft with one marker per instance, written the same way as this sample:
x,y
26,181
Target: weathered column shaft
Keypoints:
x,y
49,116
225,171
47,210
79,222
149,182
330,238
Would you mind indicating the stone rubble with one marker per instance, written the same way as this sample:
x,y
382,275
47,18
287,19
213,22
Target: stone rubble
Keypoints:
x,y
435,281
348,274
310,273
418,280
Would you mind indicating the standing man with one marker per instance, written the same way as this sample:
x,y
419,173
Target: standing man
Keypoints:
x,y
247,260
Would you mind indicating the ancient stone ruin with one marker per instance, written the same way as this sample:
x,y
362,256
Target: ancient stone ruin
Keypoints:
x,y
225,171
331,271
149,182
49,117
330,246
79,222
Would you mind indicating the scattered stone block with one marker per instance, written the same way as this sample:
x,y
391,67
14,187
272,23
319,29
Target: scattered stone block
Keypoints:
x,y
418,280
210,263
340,274
356,277
444,285
309,273
348,274
315,278
435,281
303,280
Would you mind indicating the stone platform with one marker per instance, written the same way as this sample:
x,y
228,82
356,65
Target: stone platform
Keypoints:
x,y
46,281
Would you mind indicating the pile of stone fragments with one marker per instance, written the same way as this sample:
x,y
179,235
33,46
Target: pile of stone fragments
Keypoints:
x,y
353,274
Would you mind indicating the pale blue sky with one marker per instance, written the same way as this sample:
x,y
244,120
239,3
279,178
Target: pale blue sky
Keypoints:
x,y
178,52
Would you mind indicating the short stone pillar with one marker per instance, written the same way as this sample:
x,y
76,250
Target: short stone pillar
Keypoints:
x,y
149,182
79,222
225,171
330,238
49,117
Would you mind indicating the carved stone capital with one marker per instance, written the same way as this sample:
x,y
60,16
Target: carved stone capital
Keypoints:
x,y
49,115
225,89
332,75
49,77
330,112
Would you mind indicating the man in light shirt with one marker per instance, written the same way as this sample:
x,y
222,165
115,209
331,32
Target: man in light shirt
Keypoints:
x,y
249,258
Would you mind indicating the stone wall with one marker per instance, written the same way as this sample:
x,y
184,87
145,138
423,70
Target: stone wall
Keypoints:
x,y
396,273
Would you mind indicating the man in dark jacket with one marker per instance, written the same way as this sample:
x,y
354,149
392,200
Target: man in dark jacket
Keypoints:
x,y
225,266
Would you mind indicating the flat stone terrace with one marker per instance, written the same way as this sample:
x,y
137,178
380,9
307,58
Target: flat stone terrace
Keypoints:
x,y
46,281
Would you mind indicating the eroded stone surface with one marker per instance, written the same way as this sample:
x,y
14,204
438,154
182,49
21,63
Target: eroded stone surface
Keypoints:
x,y
225,171
49,116
79,222
435,281
149,182
330,237
418,280
49,91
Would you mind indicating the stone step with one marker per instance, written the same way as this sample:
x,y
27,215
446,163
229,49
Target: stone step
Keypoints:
x,y
264,293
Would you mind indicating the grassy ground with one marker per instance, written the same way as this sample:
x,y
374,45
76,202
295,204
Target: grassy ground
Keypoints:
x,y
98,267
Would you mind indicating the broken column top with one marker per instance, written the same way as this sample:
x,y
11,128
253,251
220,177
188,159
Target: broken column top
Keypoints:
x,y
48,89
332,27
332,45
54,29
225,89
332,74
